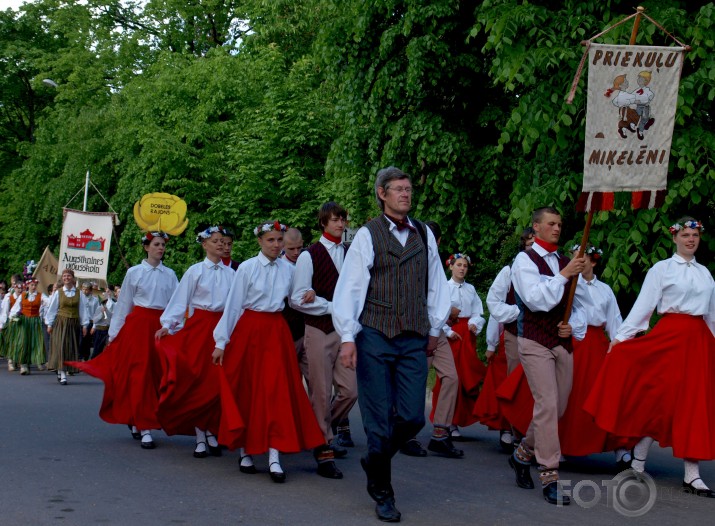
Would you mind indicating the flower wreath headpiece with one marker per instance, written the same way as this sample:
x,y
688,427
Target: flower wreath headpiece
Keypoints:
x,y
205,234
595,253
674,229
151,235
454,257
267,227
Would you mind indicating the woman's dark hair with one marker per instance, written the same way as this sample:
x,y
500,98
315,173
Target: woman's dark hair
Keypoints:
x,y
524,237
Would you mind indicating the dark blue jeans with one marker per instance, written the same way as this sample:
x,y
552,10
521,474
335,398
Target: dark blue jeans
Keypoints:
x,y
392,378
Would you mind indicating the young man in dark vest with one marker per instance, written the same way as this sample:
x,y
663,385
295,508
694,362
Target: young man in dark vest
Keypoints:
x,y
389,306
316,273
541,279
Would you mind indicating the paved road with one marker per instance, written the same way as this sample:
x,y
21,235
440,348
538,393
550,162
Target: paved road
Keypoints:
x,y
62,465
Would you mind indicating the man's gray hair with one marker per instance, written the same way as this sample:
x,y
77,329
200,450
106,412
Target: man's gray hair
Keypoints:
x,y
385,177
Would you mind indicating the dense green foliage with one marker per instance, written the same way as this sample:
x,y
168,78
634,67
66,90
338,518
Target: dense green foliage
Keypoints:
x,y
256,109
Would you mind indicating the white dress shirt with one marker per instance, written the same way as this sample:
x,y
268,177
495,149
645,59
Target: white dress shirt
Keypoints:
x,y
599,305
303,279
496,298
144,286
464,297
44,305
5,308
673,285
494,330
542,293
259,284
54,306
203,286
354,280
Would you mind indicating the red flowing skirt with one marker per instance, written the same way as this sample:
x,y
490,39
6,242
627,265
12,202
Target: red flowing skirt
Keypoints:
x,y
131,369
515,400
471,372
661,385
487,410
263,401
189,392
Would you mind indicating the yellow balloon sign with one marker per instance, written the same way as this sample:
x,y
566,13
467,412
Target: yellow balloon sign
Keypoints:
x,y
161,211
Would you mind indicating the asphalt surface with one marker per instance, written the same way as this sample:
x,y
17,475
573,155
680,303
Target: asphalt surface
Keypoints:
x,y
61,465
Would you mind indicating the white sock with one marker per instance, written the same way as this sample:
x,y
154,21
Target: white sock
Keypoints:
x,y
506,437
274,463
246,460
146,435
623,454
200,435
63,375
640,453
134,429
211,439
692,474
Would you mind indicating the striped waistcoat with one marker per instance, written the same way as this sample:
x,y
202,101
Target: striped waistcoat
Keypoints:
x,y
541,327
396,298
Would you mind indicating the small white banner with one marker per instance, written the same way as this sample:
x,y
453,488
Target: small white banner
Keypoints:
x,y
84,248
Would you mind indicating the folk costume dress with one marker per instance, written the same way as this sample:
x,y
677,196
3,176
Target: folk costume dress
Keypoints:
x,y
487,410
7,329
470,369
30,343
66,314
662,385
263,402
189,392
130,366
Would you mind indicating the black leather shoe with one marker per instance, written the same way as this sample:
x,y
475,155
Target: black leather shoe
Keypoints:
x,y
413,448
135,436
523,476
214,451
200,454
689,488
329,470
622,465
386,510
148,445
553,495
338,451
445,448
248,470
277,476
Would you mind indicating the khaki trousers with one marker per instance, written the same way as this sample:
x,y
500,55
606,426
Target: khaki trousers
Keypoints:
x,y
443,363
511,349
325,372
550,374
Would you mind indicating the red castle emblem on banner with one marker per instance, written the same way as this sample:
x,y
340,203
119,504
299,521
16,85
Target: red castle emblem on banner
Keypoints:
x,y
86,241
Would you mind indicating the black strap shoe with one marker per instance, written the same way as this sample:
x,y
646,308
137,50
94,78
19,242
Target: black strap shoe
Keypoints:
x,y
386,510
413,448
689,488
553,495
445,448
523,476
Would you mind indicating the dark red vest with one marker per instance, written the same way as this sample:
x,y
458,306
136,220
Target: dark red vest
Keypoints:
x,y
511,300
325,277
541,327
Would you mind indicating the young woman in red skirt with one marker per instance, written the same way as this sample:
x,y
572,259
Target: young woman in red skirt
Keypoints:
x,y
462,337
130,366
189,394
264,406
662,386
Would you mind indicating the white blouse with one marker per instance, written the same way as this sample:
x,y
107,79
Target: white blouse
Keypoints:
x,y
144,286
303,279
54,306
354,280
599,305
496,298
464,297
204,286
673,285
259,284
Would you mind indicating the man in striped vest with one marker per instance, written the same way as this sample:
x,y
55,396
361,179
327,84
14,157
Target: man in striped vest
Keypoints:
x,y
541,279
389,306
316,273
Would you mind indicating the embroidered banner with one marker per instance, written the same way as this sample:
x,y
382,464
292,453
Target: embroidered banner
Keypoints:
x,y
84,248
632,95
